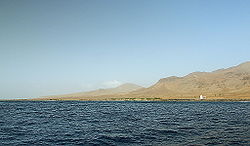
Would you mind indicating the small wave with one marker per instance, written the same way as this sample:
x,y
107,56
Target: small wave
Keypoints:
x,y
186,128
118,138
164,131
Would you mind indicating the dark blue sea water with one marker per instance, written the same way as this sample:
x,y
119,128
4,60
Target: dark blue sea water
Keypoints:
x,y
124,123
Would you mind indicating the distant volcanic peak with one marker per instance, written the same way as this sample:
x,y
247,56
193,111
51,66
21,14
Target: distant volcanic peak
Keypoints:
x,y
123,86
128,87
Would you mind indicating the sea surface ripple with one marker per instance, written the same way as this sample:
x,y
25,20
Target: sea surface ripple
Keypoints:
x,y
124,123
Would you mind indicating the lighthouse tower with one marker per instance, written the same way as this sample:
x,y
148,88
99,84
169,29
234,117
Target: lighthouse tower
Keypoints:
x,y
202,97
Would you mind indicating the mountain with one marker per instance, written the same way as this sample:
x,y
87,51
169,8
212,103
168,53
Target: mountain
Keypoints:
x,y
230,82
122,89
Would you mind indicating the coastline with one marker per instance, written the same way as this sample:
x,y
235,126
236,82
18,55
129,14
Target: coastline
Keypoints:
x,y
223,99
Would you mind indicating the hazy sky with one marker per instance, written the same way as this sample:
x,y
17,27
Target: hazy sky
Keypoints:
x,y
57,46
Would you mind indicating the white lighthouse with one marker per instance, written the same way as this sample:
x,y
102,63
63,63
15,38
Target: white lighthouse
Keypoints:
x,y
202,97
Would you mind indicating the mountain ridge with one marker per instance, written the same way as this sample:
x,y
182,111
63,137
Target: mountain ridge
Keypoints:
x,y
216,83
229,83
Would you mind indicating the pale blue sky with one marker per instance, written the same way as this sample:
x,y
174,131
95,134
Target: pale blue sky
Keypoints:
x,y
57,46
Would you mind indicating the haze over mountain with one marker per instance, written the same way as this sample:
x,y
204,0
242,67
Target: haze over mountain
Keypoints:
x,y
122,89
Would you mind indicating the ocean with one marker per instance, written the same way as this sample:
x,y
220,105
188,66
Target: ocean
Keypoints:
x,y
124,123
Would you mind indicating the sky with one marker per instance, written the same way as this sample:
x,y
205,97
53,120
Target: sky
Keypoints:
x,y
50,47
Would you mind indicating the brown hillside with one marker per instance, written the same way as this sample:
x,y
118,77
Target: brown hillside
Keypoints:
x,y
231,82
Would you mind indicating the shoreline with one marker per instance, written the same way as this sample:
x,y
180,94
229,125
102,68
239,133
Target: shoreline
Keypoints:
x,y
137,99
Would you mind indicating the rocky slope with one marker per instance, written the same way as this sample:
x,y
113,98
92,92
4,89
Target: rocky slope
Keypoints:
x,y
230,82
